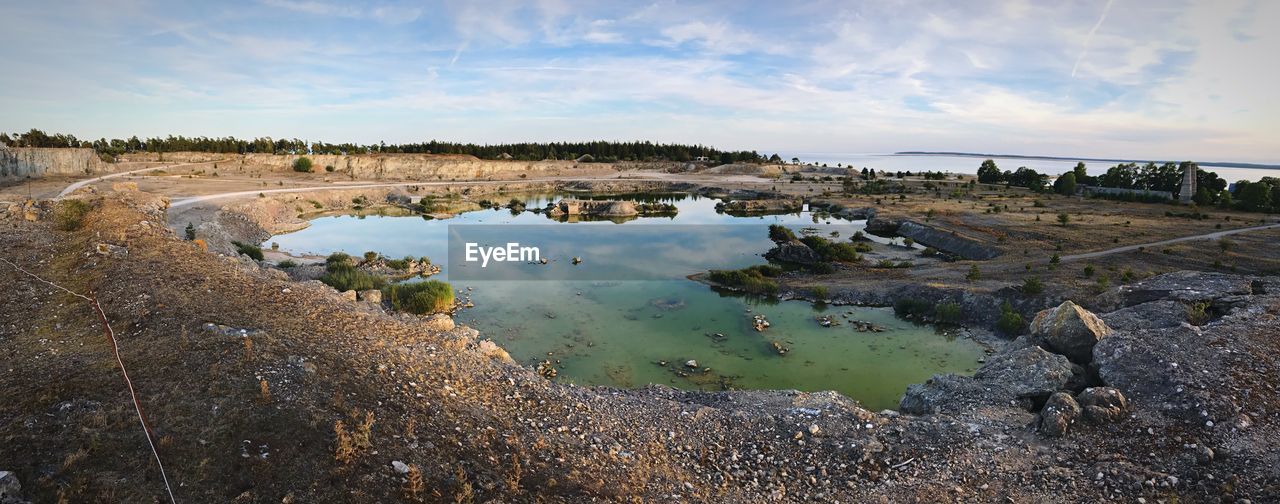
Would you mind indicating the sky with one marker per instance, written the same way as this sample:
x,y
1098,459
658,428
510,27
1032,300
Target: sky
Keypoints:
x,y
1165,79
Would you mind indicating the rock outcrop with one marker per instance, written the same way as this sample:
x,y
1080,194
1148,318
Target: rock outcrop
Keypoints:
x,y
795,252
1021,376
20,162
1069,330
951,243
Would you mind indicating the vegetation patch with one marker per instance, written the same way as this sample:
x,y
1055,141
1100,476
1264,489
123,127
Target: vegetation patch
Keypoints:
x,y
253,251
68,215
755,279
421,298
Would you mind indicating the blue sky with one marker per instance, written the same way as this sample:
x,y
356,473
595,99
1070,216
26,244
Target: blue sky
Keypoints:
x,y
1122,78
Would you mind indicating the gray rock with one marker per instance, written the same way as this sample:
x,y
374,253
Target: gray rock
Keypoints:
x,y
1059,414
1018,376
949,242
10,488
1103,405
1069,330
793,252
1152,315
400,467
882,226
1181,286
1029,372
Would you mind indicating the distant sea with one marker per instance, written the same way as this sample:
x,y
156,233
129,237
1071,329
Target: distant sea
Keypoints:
x,y
968,163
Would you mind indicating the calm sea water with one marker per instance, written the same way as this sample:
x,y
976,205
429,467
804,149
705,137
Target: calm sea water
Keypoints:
x,y
969,165
632,333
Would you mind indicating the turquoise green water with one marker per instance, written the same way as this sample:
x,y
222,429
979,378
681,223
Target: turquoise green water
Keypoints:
x,y
632,333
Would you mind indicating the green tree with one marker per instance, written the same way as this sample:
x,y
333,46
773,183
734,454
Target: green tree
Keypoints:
x,y
988,173
1066,184
1063,218
1203,197
974,273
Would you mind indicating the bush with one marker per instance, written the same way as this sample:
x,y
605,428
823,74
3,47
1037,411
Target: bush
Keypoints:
x,y
755,280
286,264
421,298
302,165
69,214
911,307
820,292
1198,313
345,277
328,168
948,312
1032,287
191,231
831,251
974,273
1088,271
1010,321
337,258
780,234
253,251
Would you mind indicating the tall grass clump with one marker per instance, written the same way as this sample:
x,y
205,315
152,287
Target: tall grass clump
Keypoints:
x,y
421,298
69,214
341,274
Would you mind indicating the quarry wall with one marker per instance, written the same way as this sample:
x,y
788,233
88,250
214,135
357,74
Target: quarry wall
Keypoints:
x,y
18,163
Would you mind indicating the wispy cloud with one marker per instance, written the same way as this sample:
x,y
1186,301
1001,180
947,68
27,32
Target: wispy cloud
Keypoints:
x,y
1045,77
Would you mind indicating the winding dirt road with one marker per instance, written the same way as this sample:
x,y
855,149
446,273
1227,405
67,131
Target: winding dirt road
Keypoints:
x,y
76,185
1128,248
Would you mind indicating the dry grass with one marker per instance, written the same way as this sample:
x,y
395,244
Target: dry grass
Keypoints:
x,y
413,483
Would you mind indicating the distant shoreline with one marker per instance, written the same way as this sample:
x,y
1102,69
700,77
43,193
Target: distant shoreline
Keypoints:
x,y
1221,164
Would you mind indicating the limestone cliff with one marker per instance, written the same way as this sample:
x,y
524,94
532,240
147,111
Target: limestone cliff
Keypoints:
x,y
18,163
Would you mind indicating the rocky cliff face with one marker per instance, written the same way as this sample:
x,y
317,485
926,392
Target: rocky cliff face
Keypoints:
x,y
21,162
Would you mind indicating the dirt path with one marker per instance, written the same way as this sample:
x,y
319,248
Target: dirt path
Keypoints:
x,y
1129,248
76,185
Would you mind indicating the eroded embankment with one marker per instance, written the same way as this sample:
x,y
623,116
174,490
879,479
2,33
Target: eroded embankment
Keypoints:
x,y
245,376
18,163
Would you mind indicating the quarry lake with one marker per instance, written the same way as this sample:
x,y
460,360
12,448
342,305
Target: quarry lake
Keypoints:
x,y
611,329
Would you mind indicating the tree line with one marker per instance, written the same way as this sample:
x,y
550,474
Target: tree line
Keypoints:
x,y
601,151
1260,196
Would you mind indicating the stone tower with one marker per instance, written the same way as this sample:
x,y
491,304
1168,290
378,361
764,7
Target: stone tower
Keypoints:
x,y
1188,182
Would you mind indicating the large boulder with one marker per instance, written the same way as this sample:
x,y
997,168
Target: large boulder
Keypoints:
x,y
1103,405
1069,330
10,488
1020,377
1181,286
1059,414
1029,373
1152,315
793,251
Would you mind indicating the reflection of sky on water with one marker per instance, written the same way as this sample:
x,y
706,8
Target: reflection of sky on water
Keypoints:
x,y
605,332
649,245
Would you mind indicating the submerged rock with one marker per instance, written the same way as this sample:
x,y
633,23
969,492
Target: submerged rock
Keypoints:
x,y
1059,414
1069,330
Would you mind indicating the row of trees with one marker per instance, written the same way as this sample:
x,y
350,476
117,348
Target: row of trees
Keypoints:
x,y
1260,196
530,151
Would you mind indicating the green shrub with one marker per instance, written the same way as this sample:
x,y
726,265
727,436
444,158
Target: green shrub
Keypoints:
x,y
345,277
820,292
929,252
1088,271
399,264
421,298
780,234
1198,313
974,273
68,215
191,231
302,165
1032,286
286,264
948,312
253,251
755,280
328,168
337,258
370,256
1010,321
911,307
822,268
832,251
